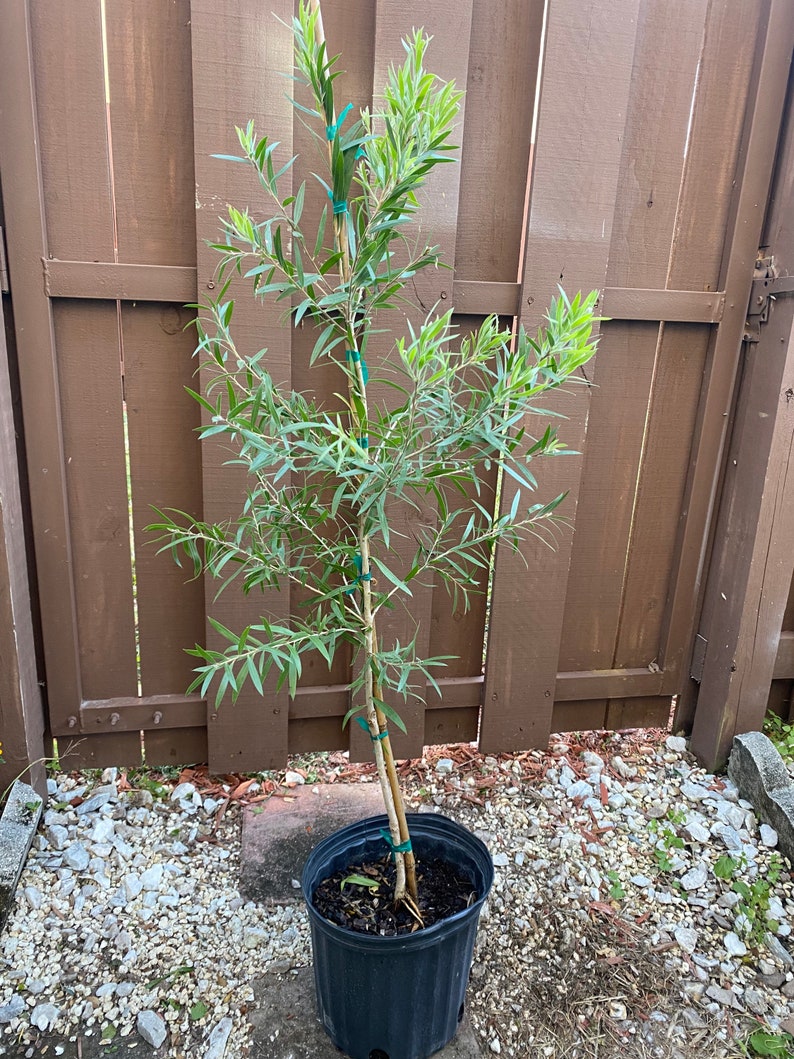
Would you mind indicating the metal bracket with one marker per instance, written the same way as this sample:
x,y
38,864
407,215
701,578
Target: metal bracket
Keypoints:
x,y
4,287
767,286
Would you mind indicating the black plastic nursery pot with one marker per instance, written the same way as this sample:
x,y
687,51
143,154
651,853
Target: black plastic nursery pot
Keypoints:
x,y
396,997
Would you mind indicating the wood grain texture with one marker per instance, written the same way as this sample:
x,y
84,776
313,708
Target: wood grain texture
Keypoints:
x,y
151,99
747,594
87,339
21,710
27,245
436,225
350,30
165,471
773,42
495,147
72,129
582,118
669,40
754,560
240,52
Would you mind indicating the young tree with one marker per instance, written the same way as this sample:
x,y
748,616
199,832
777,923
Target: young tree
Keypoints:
x,y
319,509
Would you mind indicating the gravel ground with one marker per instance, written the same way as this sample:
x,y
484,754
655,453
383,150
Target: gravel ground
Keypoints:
x,y
615,927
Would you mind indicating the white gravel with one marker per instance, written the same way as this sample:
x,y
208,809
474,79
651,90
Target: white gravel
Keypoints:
x,y
129,919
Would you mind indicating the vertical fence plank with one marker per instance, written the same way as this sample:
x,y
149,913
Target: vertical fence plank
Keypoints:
x,y
669,37
583,104
350,30
149,77
755,557
240,52
495,152
87,338
165,471
27,245
449,24
21,710
654,573
747,593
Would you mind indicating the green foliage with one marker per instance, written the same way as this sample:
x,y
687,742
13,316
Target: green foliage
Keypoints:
x,y
616,891
753,921
359,880
781,733
666,841
324,484
765,1042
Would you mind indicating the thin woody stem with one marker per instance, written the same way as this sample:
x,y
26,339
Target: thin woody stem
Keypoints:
x,y
376,721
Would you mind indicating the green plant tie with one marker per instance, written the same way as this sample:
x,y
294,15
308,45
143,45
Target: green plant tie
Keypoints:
x,y
355,356
365,726
332,130
359,576
360,153
363,442
404,847
340,205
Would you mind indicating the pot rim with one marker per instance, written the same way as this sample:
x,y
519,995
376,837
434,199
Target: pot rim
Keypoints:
x,y
425,936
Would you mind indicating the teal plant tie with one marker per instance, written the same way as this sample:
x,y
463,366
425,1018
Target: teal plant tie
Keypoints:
x,y
365,726
332,130
340,205
355,356
363,442
360,153
359,576
404,847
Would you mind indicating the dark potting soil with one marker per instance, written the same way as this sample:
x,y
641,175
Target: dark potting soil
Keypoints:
x,y
443,891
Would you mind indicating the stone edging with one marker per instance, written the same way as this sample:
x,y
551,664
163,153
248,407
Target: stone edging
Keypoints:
x,y
17,828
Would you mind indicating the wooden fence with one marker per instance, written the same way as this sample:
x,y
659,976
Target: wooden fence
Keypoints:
x,y
655,135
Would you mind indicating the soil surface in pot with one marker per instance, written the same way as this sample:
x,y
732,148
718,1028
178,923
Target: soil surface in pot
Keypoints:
x,y
443,891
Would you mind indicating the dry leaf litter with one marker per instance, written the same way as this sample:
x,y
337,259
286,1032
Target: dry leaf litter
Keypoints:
x,y
608,931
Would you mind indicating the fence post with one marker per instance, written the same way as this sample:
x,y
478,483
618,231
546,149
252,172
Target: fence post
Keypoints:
x,y
21,711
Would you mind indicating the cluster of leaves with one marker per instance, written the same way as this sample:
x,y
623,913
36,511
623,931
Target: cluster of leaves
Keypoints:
x,y
779,1044
781,733
753,920
667,839
323,484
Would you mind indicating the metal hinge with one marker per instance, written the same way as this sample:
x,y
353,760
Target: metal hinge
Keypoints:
x,y
767,286
698,658
4,287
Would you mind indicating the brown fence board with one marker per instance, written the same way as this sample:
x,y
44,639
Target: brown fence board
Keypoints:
x,y
93,435
72,128
496,139
449,23
151,100
630,193
165,471
349,29
27,245
752,565
582,109
237,63
177,746
22,718
767,58
649,182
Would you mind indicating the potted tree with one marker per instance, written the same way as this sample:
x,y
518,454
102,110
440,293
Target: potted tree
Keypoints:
x,y
411,885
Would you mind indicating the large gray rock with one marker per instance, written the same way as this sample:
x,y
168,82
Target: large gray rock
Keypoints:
x,y
17,827
762,778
